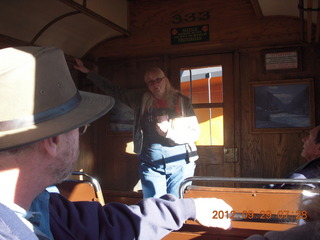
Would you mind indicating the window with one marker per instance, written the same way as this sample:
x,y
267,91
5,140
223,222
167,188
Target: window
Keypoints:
x,y
204,87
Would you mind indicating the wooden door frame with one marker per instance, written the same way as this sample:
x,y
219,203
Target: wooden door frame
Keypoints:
x,y
231,136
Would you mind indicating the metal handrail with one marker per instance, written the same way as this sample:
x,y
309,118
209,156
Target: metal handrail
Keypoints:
x,y
185,182
94,181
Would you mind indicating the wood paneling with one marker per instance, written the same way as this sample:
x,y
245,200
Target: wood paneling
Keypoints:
x,y
232,23
267,154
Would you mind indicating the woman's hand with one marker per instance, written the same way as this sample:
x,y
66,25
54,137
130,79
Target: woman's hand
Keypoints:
x,y
162,125
80,66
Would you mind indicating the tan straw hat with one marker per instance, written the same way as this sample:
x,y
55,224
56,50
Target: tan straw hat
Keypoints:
x,y
39,98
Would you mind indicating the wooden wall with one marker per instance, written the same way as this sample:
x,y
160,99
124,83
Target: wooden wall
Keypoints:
x,y
235,27
233,24
272,154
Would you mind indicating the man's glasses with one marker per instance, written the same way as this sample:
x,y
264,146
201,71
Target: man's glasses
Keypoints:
x,y
83,129
154,81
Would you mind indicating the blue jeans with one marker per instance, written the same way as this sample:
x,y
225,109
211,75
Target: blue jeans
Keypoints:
x,y
164,177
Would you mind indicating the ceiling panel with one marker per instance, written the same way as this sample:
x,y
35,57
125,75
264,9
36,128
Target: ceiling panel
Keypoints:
x,y
23,19
64,24
76,34
279,7
113,10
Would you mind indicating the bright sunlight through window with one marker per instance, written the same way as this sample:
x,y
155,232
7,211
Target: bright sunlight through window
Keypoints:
x,y
205,88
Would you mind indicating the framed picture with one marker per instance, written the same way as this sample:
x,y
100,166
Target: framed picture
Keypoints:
x,y
120,120
283,59
282,106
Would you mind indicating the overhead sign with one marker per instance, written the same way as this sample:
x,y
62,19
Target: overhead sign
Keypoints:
x,y
191,34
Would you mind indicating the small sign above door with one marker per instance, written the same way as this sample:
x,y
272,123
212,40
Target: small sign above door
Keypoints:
x,y
191,34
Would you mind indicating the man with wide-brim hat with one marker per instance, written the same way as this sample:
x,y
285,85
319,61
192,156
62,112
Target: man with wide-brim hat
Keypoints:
x,y
42,113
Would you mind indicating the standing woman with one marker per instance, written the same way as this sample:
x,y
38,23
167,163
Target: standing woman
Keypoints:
x,y
165,130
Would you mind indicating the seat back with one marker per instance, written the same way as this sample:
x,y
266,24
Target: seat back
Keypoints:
x,y
255,208
84,188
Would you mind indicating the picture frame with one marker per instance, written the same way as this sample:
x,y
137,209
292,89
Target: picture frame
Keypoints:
x,y
120,120
282,59
282,106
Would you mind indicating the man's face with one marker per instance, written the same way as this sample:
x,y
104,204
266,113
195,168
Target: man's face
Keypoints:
x,y
311,150
68,155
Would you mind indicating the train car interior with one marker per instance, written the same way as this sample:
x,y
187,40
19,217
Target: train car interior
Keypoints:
x,y
250,67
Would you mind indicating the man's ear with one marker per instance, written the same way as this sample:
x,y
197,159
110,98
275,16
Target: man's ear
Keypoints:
x,y
51,145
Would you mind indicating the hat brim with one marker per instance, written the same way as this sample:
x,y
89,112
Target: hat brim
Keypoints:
x,y
91,107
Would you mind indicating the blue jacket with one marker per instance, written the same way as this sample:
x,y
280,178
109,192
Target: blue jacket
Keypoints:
x,y
307,171
151,218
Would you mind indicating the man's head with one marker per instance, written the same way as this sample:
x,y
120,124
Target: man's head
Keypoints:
x,y
39,99
41,112
311,146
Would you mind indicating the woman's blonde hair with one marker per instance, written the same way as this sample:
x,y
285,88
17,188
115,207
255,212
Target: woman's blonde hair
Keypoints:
x,y
171,94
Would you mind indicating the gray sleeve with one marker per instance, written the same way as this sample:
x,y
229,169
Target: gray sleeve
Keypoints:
x,y
308,231
11,227
130,97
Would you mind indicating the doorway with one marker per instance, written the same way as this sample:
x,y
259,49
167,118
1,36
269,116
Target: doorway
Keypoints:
x,y
209,81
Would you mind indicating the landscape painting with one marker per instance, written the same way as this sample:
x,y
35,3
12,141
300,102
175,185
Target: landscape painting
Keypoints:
x,y
283,105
